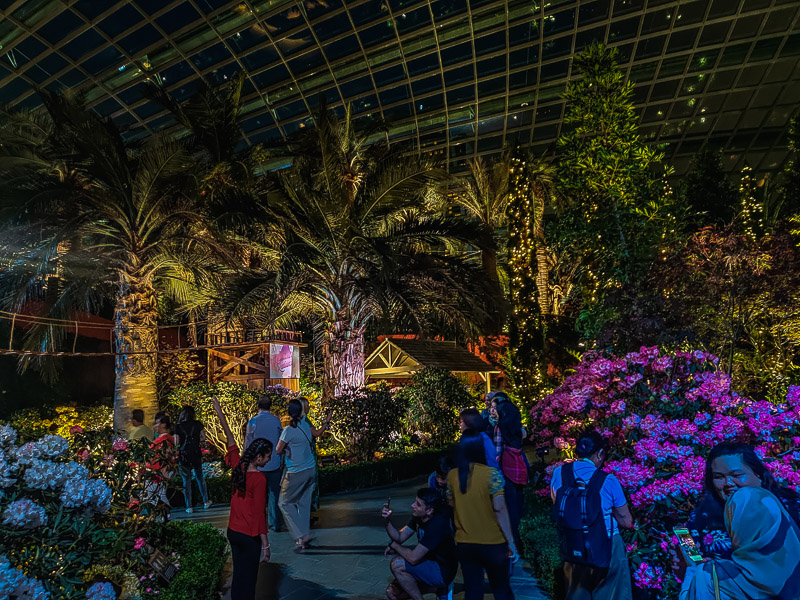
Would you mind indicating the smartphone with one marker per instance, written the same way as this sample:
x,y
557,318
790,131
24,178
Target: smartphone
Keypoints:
x,y
687,543
388,503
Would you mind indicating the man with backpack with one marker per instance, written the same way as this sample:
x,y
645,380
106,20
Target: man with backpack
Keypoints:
x,y
589,508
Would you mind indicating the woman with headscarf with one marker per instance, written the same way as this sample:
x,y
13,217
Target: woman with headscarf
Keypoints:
x,y
513,464
765,557
731,466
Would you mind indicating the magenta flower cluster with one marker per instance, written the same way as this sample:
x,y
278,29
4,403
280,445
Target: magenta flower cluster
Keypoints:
x,y
661,413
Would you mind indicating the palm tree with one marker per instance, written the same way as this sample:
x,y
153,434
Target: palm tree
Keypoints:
x,y
357,244
540,181
485,196
112,221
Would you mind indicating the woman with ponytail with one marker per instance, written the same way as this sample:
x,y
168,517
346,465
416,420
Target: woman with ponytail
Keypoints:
x,y
297,487
247,524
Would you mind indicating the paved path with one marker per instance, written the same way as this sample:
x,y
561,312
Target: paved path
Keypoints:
x,y
346,559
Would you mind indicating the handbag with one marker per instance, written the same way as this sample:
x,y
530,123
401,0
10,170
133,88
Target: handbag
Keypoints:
x,y
514,465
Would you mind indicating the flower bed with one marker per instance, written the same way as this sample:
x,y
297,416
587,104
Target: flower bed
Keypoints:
x,y
77,519
661,413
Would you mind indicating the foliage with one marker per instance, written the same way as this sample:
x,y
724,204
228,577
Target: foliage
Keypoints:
x,y
617,206
57,519
789,193
707,192
737,297
750,217
32,423
434,398
540,543
176,369
280,397
364,420
386,471
87,218
203,552
661,413
238,403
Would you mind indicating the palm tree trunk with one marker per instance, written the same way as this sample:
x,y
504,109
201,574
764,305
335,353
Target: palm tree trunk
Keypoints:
x,y
343,359
489,263
136,344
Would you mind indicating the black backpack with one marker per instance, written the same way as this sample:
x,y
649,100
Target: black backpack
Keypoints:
x,y
578,513
190,441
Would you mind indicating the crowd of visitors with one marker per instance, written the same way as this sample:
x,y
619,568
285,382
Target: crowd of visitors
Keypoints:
x,y
742,541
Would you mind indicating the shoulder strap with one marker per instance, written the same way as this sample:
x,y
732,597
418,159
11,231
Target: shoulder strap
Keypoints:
x,y
304,435
597,480
568,475
716,581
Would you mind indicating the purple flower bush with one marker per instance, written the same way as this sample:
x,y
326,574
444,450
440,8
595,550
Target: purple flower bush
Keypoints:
x,y
661,414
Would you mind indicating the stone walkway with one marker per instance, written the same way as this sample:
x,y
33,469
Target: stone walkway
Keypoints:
x,y
346,559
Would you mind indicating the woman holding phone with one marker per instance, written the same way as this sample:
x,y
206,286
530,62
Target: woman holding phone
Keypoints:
x,y
765,558
247,524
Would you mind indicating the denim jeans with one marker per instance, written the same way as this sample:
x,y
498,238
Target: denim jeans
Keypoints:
x,y
186,475
492,558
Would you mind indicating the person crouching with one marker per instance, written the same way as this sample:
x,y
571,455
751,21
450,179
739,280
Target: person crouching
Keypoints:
x,y
431,565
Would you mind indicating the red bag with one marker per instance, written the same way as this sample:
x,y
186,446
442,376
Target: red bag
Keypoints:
x,y
514,465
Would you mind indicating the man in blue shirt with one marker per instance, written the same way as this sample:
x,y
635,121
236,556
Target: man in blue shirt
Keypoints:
x,y
268,426
591,451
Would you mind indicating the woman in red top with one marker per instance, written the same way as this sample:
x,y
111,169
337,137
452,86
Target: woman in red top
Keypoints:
x,y
247,524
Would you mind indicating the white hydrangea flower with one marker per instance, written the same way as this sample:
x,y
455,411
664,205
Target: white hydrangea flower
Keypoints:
x,y
24,514
101,591
7,472
75,493
49,475
52,446
27,453
101,495
10,578
31,589
8,435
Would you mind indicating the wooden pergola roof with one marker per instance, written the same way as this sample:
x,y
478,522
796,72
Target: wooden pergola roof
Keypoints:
x,y
400,358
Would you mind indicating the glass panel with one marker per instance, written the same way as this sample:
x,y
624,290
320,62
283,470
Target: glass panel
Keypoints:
x,y
593,11
559,22
458,76
177,18
623,30
343,47
260,58
137,41
58,28
456,54
87,41
682,40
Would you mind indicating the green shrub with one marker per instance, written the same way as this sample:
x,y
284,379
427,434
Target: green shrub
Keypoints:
x,y
363,421
540,542
238,403
203,554
356,476
434,399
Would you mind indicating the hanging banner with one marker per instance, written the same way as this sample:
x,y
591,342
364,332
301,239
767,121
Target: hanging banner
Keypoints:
x,y
284,361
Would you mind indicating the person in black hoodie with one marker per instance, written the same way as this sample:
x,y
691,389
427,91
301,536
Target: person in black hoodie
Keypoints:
x,y
188,435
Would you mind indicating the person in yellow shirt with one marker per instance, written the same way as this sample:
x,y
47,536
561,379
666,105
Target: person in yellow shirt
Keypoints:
x,y
140,430
484,541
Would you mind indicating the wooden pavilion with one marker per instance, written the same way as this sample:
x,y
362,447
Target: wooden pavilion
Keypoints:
x,y
400,358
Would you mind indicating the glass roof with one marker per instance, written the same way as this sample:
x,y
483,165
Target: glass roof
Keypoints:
x,y
456,77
